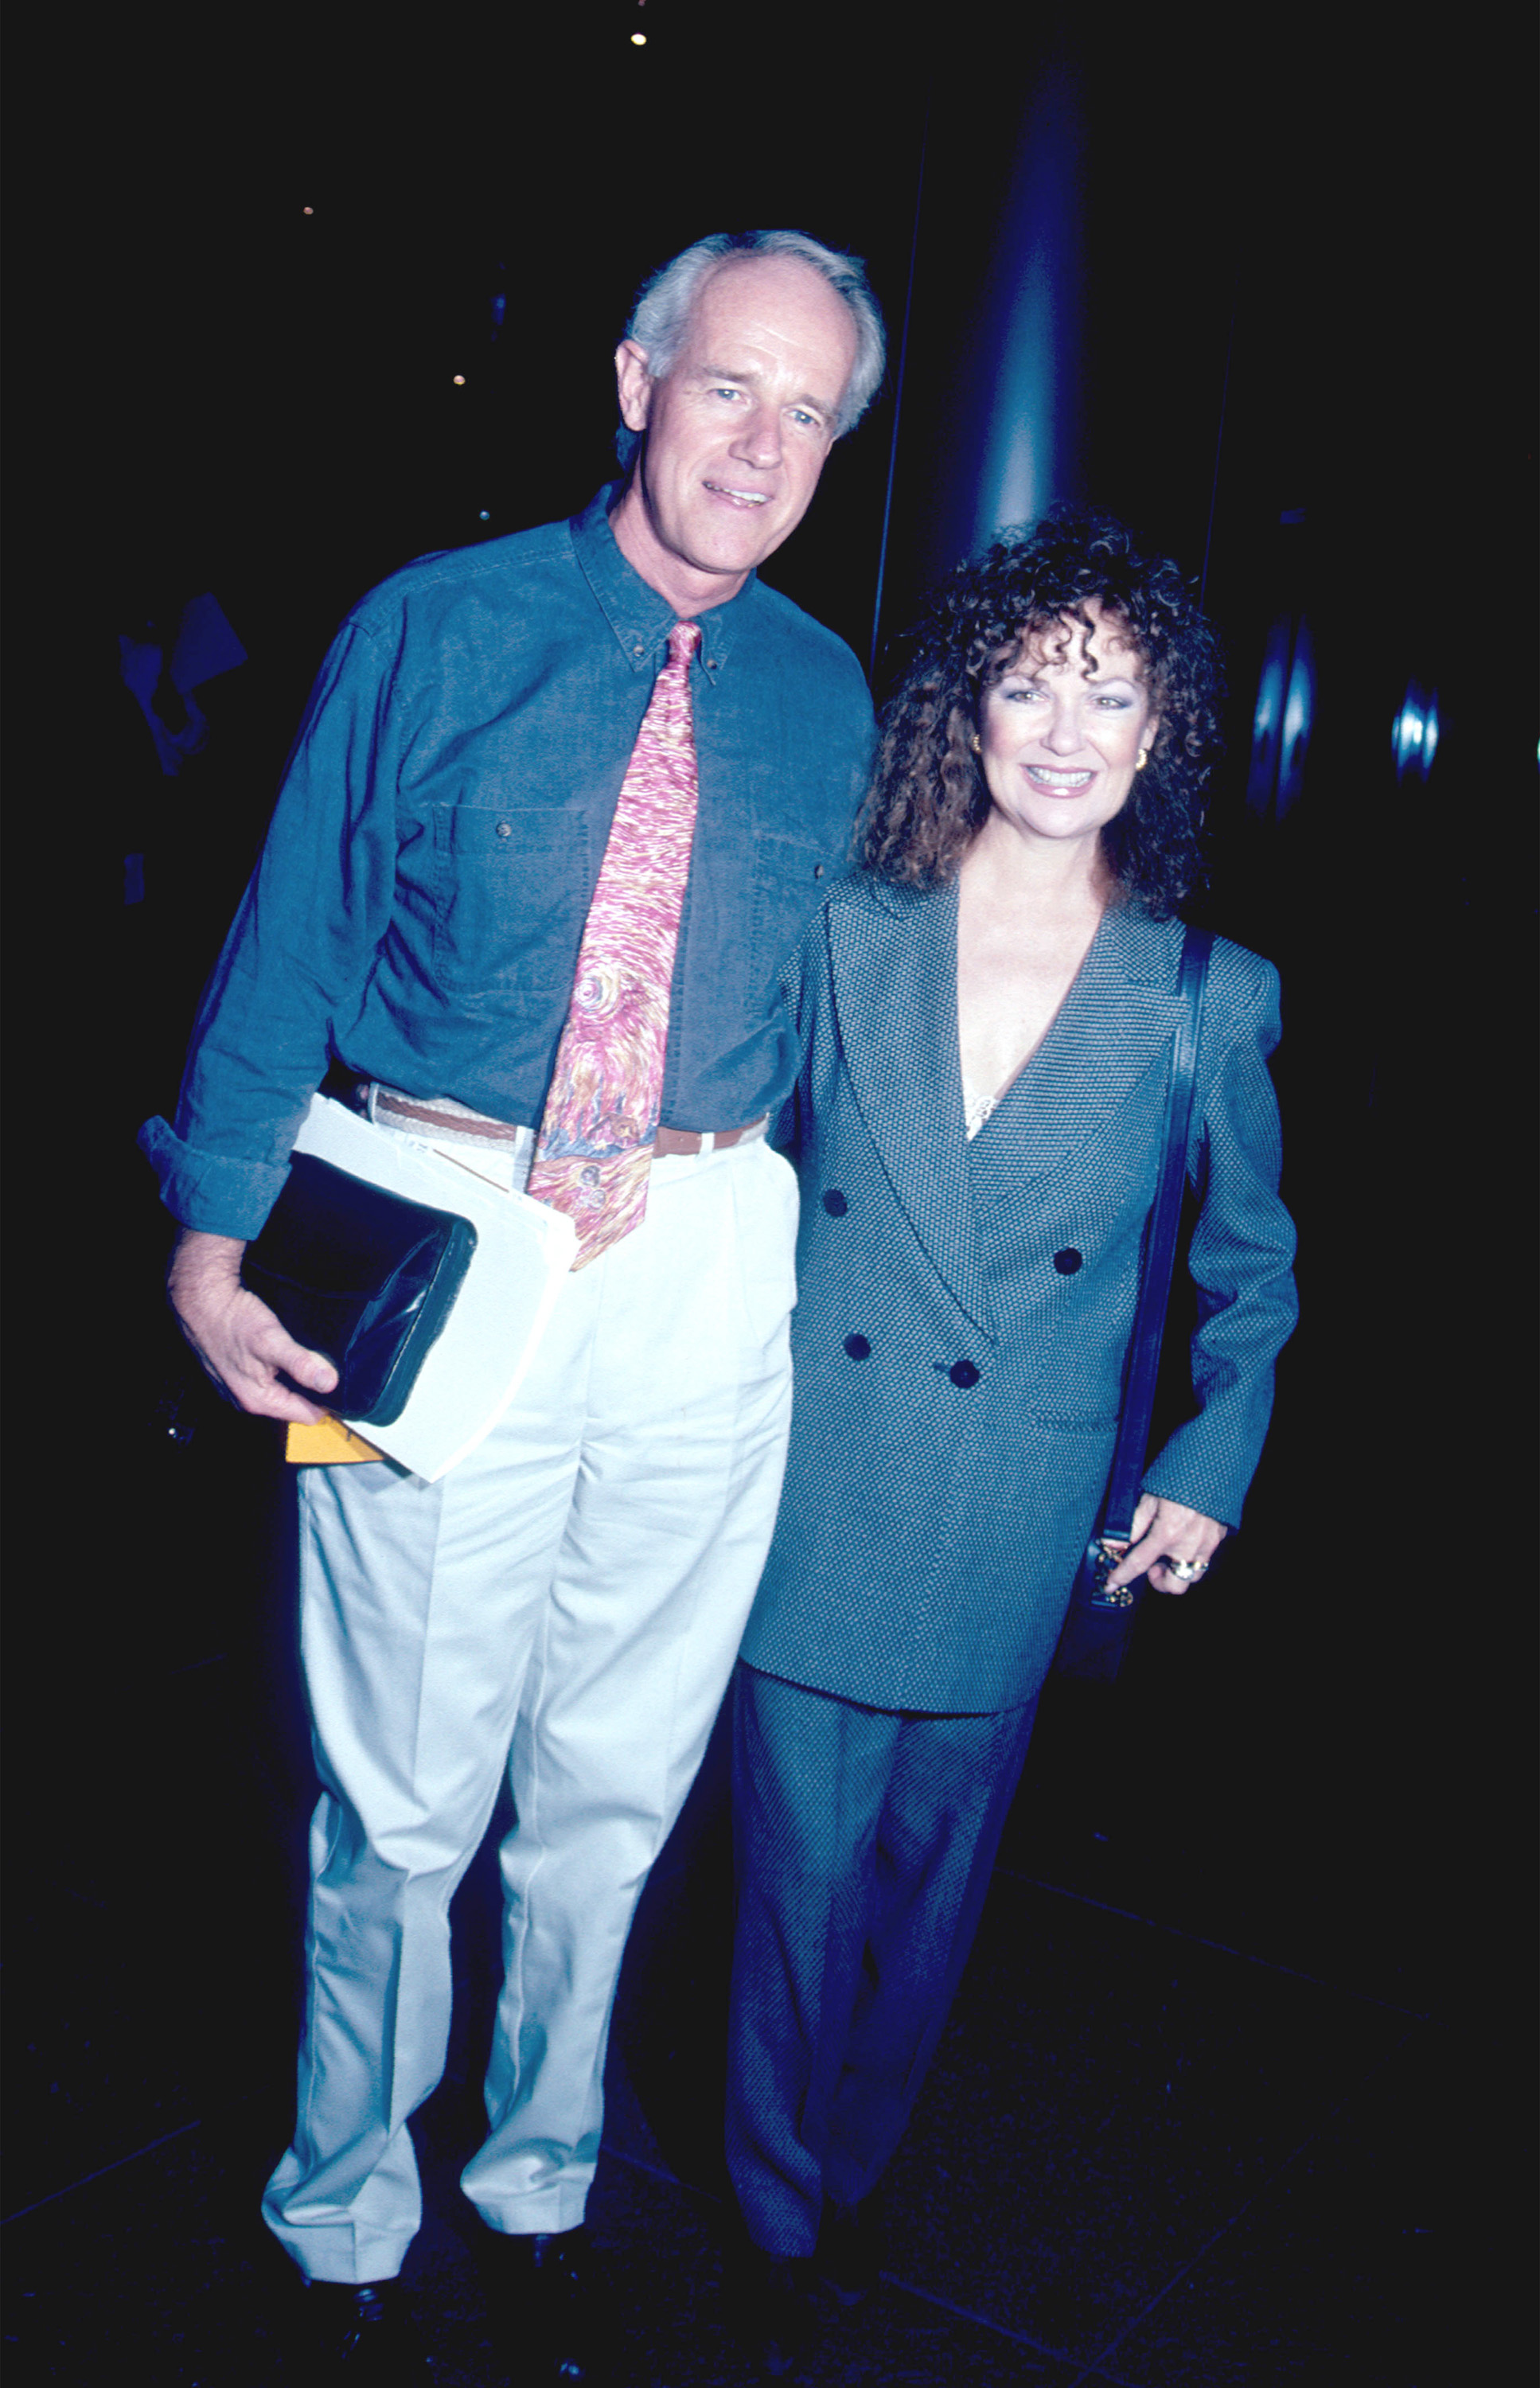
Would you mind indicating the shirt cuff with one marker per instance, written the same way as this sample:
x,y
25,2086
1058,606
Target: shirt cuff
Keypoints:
x,y
208,1191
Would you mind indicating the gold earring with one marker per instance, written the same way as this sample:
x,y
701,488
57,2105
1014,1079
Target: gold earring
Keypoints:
x,y
1144,759
973,741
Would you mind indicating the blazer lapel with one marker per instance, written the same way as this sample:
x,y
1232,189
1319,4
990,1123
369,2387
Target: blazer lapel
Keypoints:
x,y
893,969
1116,1020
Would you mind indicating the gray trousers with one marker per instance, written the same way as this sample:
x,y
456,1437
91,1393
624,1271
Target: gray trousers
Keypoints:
x,y
864,1840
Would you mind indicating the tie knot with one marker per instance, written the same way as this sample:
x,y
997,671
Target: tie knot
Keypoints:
x,y
683,640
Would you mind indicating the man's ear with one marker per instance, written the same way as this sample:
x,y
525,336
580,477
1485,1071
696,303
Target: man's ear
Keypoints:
x,y
633,384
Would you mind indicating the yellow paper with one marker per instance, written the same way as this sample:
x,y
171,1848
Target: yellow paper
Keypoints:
x,y
329,1443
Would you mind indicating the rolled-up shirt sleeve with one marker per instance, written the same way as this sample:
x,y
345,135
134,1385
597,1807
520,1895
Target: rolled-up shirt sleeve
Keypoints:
x,y
302,944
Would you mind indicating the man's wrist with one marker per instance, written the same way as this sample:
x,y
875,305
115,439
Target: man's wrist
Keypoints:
x,y
198,1258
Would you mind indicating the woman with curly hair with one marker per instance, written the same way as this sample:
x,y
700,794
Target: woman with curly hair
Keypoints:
x,y
986,1013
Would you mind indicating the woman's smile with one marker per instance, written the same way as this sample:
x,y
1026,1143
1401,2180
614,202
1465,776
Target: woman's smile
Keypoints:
x,y
1057,783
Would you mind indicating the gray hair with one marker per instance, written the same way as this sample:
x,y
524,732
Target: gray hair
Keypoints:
x,y
661,316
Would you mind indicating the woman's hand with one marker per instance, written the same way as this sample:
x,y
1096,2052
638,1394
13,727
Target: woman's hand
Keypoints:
x,y
1165,1533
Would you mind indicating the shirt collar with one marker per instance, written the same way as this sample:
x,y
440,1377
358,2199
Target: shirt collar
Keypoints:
x,y
639,618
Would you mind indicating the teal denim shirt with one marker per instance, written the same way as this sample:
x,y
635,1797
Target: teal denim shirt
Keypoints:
x,y
418,906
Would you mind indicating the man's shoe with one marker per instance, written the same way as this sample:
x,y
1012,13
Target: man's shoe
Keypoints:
x,y
778,2314
546,2302
363,2329
852,2248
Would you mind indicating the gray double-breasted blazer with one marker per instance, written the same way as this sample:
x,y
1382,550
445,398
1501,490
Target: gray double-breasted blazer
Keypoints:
x,y
965,1309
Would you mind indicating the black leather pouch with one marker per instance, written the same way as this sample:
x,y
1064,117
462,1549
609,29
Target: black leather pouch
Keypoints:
x,y
1095,1637
364,1275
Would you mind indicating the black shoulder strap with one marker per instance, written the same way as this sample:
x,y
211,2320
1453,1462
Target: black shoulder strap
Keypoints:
x,y
1160,1251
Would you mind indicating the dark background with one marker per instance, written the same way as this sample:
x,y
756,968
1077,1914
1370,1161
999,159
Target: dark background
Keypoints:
x,y
1283,288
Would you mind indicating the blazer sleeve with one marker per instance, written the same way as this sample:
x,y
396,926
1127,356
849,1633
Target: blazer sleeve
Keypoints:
x,y
1241,1255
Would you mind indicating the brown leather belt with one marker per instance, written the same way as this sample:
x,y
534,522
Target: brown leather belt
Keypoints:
x,y
686,1139
468,1122
460,1122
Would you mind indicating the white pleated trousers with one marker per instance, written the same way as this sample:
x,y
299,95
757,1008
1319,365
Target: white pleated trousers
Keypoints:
x,y
567,1603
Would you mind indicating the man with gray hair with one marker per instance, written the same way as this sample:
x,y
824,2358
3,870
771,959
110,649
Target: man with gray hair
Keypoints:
x,y
498,802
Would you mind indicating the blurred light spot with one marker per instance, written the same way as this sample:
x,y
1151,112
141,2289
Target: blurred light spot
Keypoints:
x,y
1267,720
459,381
1414,738
1281,722
638,41
1269,695
1298,704
485,515
310,211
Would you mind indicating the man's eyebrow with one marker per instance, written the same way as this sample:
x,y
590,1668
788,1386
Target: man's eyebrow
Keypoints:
x,y
752,379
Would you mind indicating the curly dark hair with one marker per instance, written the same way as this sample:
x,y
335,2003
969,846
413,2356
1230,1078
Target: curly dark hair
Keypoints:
x,y
930,800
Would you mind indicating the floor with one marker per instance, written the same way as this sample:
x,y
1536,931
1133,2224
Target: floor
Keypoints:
x,y
1192,2121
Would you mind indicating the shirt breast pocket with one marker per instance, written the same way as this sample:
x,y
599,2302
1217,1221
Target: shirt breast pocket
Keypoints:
x,y
511,890
792,875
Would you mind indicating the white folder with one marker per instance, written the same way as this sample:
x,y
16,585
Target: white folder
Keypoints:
x,y
524,1250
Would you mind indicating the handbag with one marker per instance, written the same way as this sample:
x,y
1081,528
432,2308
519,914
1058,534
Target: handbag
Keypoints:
x,y
1098,1622
365,1275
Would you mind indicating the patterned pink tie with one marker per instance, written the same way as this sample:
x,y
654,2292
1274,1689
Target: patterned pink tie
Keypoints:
x,y
594,1147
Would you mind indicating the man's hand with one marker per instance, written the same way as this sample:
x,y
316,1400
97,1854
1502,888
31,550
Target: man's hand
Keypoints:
x,y
240,1342
1163,1533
